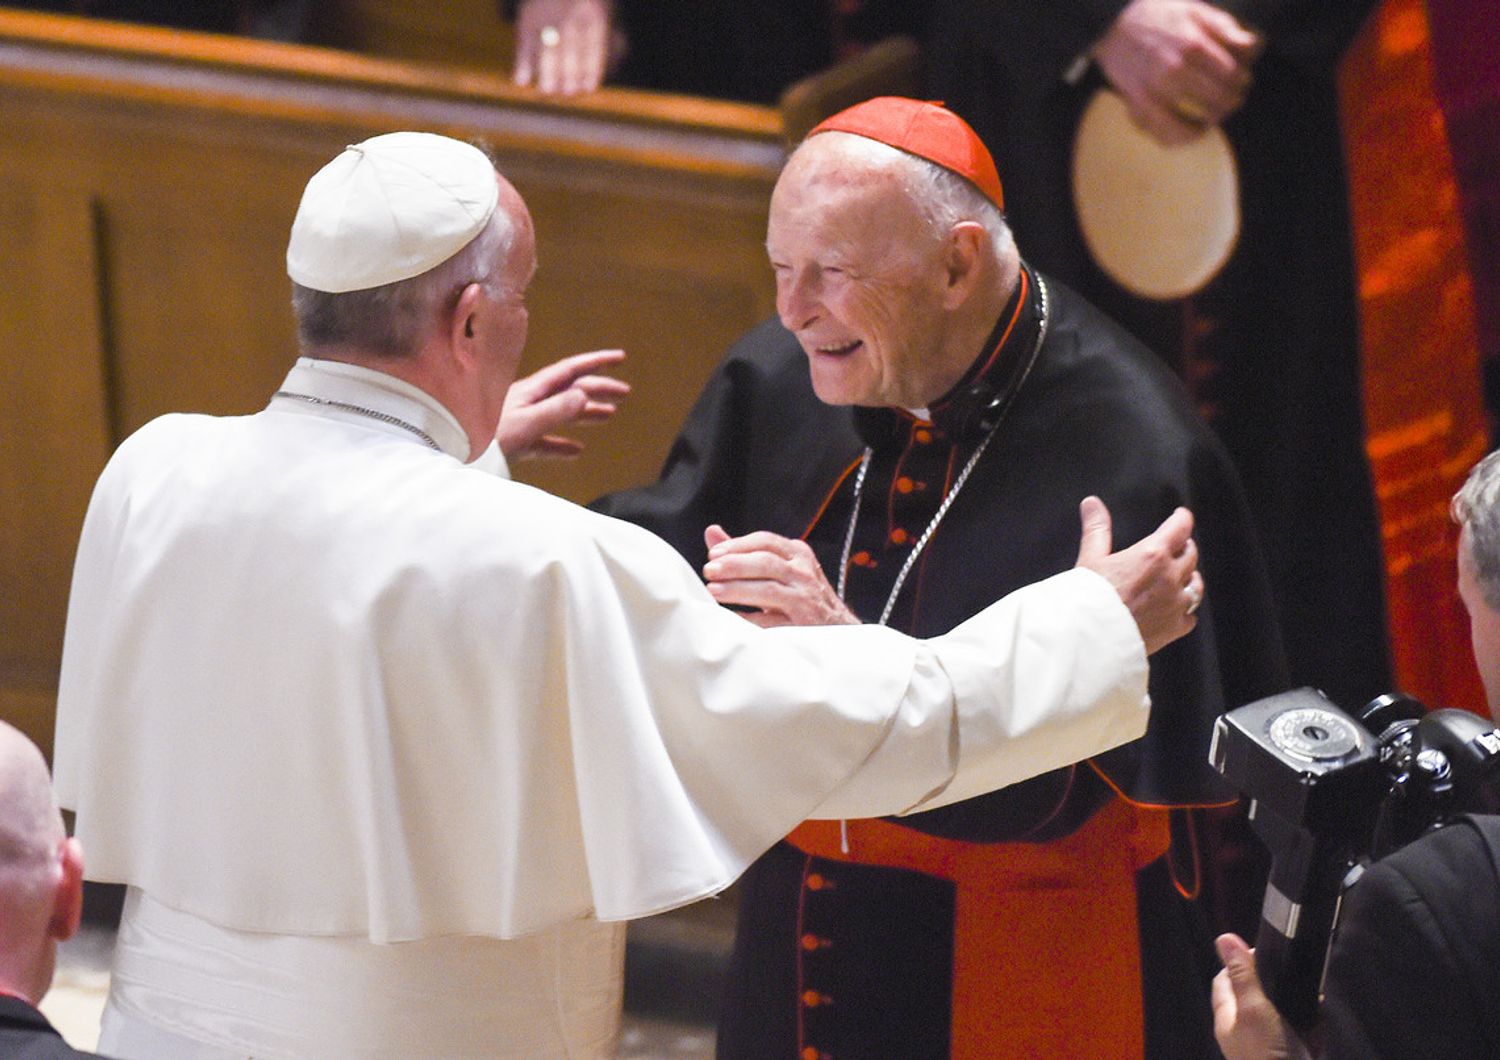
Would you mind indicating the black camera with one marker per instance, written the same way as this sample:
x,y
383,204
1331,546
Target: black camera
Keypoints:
x,y
1330,794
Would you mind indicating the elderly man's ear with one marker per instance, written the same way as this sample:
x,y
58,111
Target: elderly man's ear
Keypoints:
x,y
461,323
963,261
67,895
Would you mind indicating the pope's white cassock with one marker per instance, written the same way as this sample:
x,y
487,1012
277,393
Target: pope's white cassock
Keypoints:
x,y
385,745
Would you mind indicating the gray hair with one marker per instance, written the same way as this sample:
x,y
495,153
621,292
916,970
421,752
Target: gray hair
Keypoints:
x,y
948,199
1476,507
395,319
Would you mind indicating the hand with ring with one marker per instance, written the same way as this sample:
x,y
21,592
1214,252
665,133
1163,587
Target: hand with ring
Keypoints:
x,y
1179,65
564,47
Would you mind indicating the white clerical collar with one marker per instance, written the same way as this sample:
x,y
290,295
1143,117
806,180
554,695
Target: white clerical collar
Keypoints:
x,y
384,403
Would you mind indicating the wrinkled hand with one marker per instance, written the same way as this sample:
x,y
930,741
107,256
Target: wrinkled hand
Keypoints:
x,y
564,47
1157,577
1246,1024
563,393
1180,65
776,575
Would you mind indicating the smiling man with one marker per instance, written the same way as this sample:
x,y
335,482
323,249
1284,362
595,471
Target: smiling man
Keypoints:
x,y
908,442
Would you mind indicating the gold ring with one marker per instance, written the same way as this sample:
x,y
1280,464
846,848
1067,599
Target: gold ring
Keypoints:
x,y
1190,111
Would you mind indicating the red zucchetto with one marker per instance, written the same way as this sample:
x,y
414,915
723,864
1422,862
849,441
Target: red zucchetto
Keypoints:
x,y
927,130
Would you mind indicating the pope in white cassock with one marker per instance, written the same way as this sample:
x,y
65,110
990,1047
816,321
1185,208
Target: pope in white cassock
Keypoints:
x,y
386,746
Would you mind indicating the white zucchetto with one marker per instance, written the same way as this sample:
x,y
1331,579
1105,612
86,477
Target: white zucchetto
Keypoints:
x,y
388,209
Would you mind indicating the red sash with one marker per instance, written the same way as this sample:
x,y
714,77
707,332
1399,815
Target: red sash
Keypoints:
x,y
1046,955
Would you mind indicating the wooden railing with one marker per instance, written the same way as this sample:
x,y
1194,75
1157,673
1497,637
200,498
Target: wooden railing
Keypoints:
x,y
148,178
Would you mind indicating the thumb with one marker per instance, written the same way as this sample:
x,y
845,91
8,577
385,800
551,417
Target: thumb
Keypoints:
x,y
714,535
1098,536
1239,962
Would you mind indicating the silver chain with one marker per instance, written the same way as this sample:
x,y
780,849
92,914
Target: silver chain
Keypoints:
x,y
383,417
958,483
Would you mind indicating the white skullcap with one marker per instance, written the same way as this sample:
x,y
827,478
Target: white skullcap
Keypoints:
x,y
389,209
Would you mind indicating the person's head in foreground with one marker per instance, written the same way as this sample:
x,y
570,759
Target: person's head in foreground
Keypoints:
x,y
41,871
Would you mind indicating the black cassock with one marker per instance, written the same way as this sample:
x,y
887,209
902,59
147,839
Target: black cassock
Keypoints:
x,y
1097,414
1274,339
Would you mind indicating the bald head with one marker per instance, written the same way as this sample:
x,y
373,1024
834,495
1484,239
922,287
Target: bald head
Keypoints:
x,y
30,826
41,870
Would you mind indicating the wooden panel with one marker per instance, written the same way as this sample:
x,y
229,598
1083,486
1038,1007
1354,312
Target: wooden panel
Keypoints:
x,y
470,32
1421,358
147,183
53,429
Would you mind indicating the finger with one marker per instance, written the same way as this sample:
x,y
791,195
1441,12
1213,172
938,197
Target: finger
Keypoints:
x,y
557,409
1199,98
747,566
1156,119
1221,997
1097,537
525,70
712,535
564,372
549,66
596,54
1230,33
603,387
759,541
595,412
571,58
556,447
762,595
1176,532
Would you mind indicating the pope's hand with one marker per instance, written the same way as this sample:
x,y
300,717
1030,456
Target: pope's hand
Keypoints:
x,y
565,392
1180,65
779,577
1157,577
563,47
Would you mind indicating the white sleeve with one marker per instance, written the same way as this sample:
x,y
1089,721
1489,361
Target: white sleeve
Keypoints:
x,y
1050,675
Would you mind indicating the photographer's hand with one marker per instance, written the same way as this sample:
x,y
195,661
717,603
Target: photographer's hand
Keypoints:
x,y
1246,1024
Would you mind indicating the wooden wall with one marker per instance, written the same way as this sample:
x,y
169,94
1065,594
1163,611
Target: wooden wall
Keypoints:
x,y
147,183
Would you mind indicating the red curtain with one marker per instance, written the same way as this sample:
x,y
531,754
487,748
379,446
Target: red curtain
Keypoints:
x,y
1425,422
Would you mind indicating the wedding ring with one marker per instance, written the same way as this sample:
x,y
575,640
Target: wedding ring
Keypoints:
x,y
1195,597
550,37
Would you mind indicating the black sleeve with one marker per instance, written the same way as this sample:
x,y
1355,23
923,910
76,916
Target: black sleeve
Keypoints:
x,y
1031,39
1413,972
697,483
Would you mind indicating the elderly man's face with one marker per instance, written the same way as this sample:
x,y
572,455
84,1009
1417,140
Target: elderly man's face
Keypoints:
x,y
859,280
1484,624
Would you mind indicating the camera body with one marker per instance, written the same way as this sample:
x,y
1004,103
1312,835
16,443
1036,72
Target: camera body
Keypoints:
x,y
1331,793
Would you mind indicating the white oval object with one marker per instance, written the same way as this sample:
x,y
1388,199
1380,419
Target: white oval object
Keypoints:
x,y
1160,221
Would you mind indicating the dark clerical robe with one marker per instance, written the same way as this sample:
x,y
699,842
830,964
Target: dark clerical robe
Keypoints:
x,y
1005,924
1272,344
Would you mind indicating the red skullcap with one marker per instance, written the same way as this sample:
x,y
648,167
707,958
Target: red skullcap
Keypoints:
x,y
927,130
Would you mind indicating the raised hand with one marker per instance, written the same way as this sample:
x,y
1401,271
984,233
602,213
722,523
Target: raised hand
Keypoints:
x,y
566,392
1157,577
